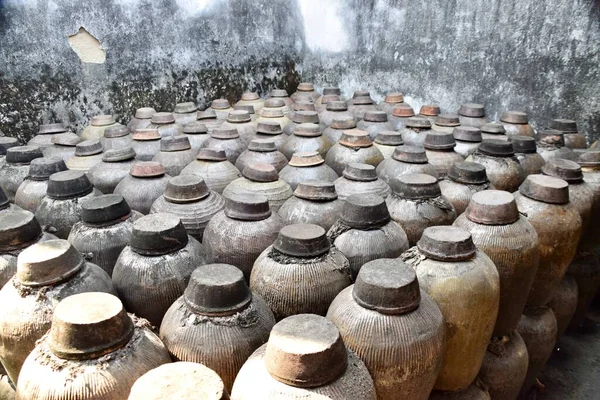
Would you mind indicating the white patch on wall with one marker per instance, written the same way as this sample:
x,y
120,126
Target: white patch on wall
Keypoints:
x,y
87,47
323,25
192,7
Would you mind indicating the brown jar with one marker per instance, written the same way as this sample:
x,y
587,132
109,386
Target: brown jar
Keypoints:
x,y
391,101
375,122
146,144
416,203
16,168
585,270
387,141
335,110
355,146
392,326
360,179
60,209
463,181
141,119
188,197
87,154
270,130
185,113
115,165
493,131
93,339
439,148
464,283
144,184
338,126
527,155
274,111
573,139
209,118
467,140
46,273
590,166
166,125
545,202
405,160
511,242
414,131
30,193
45,135
8,142
116,137
305,357
221,107
303,105
104,230
305,92
154,269
400,114
241,121
261,151
501,165
63,146
516,123
302,117
226,139
314,202
365,232
282,94
217,321
214,168
175,154
196,133
564,304
472,114
445,123
306,166
430,111
306,137
361,105
98,123
551,144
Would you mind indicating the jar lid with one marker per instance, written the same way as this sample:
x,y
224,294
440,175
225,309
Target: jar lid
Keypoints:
x,y
238,116
550,137
362,100
146,134
249,96
145,113
588,157
260,172
66,139
274,102
493,128
492,207
307,130
211,155
304,106
364,211
115,131
360,172
175,143
220,104
306,159
343,122
247,207
496,148
185,108
186,189
394,97
410,154
147,169
23,154
316,190
269,128
242,107
403,110
355,138
158,234
375,116
468,173
387,286
195,127
103,120
546,189
40,169
306,87
523,144
418,122
18,229
389,138
567,170
217,290
430,110
361,93
327,98
210,114
305,350
225,133
68,185
447,243
88,148
89,325
48,263
332,90
467,134
439,141
302,240
279,93
303,117
57,127
564,125
262,145
514,117
416,186
337,105
447,120
8,142
163,118
116,155
104,208
472,110
272,112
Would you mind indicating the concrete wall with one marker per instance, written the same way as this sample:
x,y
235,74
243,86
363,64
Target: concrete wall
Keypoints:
x,y
539,56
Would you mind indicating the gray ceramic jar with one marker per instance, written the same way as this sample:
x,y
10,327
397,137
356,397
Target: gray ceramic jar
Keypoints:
x,y
302,117
98,123
15,169
306,137
46,133
227,140
445,123
516,123
175,153
335,110
144,184
573,138
63,146
472,114
360,179
387,141
30,193
493,130
439,148
463,181
400,114
146,143
214,168
314,202
391,101
375,122
196,133
405,160
166,125
551,144
306,166
502,167
271,130
415,131
467,140
527,155
8,142
116,137
141,119
115,166
355,146
184,113
242,122
87,154
261,151
340,124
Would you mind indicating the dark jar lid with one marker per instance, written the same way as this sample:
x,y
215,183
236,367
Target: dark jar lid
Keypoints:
x,y
447,243
337,105
307,130
18,229
249,96
163,118
185,108
375,116
103,209
175,143
588,157
262,145
269,128
306,159
492,207
473,110
360,172
389,138
48,263
430,110
117,155
343,122
272,112
496,148
493,128
103,120
363,100
66,139
274,102
304,106
447,120
306,117
145,113
247,207
564,125
146,134
316,191
260,172
88,148
225,133
523,144
410,154
23,154
220,104
361,93
217,290
403,111
387,286
306,87
364,211
56,127
567,170
468,173
514,117
186,189
195,128
302,240
550,137
238,116
327,98
332,90
68,185
418,122
305,350
546,189
89,325
210,114
40,169
467,134
116,131
158,234
8,142
416,186
147,169
439,141
355,138
211,155
394,97
279,93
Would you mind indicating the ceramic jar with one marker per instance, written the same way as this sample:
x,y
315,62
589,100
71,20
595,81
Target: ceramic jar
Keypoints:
x,y
415,131
251,99
324,100
175,154
240,121
196,133
185,113
335,110
439,148
115,165
329,91
214,168
141,119
361,105
573,139
146,143
493,131
247,108
472,114
375,122
306,137
63,146
527,155
502,167
5,144
166,125
226,139
306,166
271,130
463,181
358,93
339,124
355,146
98,123
116,137
400,114
551,144
590,166
405,160
302,117
87,154
306,92
261,151
45,134
516,123
221,107
273,111
467,140
564,304
144,184
360,179
16,168
392,326
282,94
209,119
464,283
33,189
314,202
429,111
445,123
391,101
387,141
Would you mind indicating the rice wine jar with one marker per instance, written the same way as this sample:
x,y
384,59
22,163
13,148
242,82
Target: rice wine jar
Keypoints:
x,y
405,160
516,123
141,119
400,114
221,107
444,123
573,139
387,141
391,101
227,140
46,133
175,154
98,124
527,155
185,113
197,133
467,140
360,179
87,154
415,130
145,183
564,304
551,144
355,146
472,114
306,166
339,124
501,165
306,137
115,166
214,168
145,143
16,168
30,193
240,121
116,137
375,122
314,202
166,125
463,181
261,151
439,148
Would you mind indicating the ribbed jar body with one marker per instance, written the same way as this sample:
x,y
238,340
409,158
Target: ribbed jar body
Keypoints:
x,y
277,192
443,160
297,144
232,147
505,173
175,161
295,175
301,211
585,270
140,193
62,214
11,177
339,156
392,168
564,304
145,150
459,194
532,163
83,163
346,187
30,193
274,158
105,176
95,132
216,174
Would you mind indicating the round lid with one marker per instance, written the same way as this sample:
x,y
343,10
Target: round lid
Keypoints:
x,y
588,157
18,229
306,159
225,133
115,131
364,211
567,170
262,145
238,116
238,107
217,290
388,286
175,143
195,127
492,207
146,134
394,97
89,325
48,263
8,142
304,106
279,93
403,110
329,97
356,138
302,240
375,116
303,117
68,185
430,110
493,128
211,155
260,172
389,138
550,137
361,93
514,117
104,208
306,87
472,110
447,120
332,90
147,169
272,112
362,100
269,128
158,234
469,173
220,104
360,172
102,120
186,189
316,190
307,130
418,122
546,189
564,125
40,169
210,114
439,141
447,243
116,155
249,96
467,134
337,105
343,122
416,186
305,350
145,112
66,139
88,148
496,147
163,118
523,144
23,154
274,102
52,128
410,154
185,108
247,207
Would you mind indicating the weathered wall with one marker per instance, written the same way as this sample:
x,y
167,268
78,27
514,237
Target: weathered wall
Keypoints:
x,y
538,56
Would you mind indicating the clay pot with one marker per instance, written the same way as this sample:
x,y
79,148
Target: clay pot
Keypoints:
x,y
511,242
104,230
335,110
463,181
214,168
360,179
502,167
375,122
274,111
391,101
242,122
314,202
516,123
387,141
61,207
45,135
551,144
196,133
360,105
30,193
355,146
493,131
564,304
306,166
339,124
261,151
221,107
445,123
47,272
154,269
272,131
392,326
573,139
472,114
144,184
16,168
188,197
430,111
227,140
87,154
464,283
321,103
251,99
545,202
415,131
5,144
527,155
590,166
358,93
63,146
400,114
175,154
287,368
365,232
416,203
141,119
439,148
405,160
116,137
209,118
98,124
302,117
306,92
93,338
585,270
115,165
282,94
467,140
306,137
185,113
145,143
166,125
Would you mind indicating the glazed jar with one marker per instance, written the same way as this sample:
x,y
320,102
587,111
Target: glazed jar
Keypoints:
x,y
439,148
527,155
545,202
93,339
226,139
175,153
98,123
8,142
516,123
240,121
305,92
214,168
185,113
585,270
375,122
273,111
573,139
498,158
104,230
511,242
144,184
387,141
415,131
302,117
335,110
45,135
314,202
405,160
430,111
360,178
247,225
116,137
391,101
166,125
590,165
271,130
188,197
87,154
355,146
46,273
365,232
463,181
16,168
141,119
282,94
153,270
474,391
339,124
493,131
464,283
115,165
416,203
251,99
321,104
146,144
467,140
551,144
392,326
221,107
361,105
196,133
305,357
445,123
472,114
61,207
306,166
63,146
33,189
261,151
259,178
210,120
400,114
564,303
306,137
